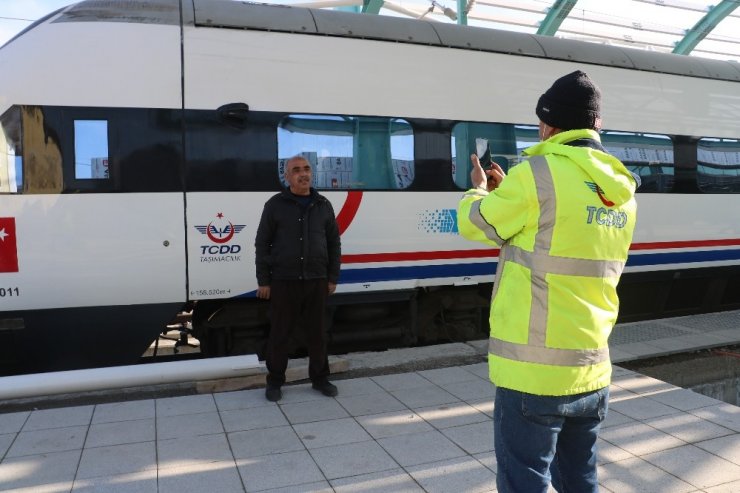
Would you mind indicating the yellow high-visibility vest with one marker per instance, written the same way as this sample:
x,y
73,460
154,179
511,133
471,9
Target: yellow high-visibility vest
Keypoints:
x,y
564,221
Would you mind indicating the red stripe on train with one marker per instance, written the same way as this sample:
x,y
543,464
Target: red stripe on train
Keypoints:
x,y
349,210
361,258
658,245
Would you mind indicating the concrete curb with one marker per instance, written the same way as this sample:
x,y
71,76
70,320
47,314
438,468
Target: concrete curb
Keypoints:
x,y
352,365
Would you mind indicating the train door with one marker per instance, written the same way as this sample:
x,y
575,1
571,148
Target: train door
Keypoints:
x,y
230,173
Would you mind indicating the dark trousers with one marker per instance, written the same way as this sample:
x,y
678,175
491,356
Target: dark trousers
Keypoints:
x,y
540,439
292,303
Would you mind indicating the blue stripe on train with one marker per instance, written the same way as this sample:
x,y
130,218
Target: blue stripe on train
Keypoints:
x,y
416,272
682,257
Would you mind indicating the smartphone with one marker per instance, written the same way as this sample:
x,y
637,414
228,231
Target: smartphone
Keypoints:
x,y
483,151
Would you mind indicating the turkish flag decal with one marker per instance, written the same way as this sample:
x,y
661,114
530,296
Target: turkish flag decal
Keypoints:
x,y
8,249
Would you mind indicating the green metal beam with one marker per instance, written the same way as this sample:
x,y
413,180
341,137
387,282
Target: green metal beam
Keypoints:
x,y
371,6
355,9
462,14
555,16
705,25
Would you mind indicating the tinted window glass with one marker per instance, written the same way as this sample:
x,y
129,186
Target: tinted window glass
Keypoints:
x,y
718,167
648,155
350,152
91,149
498,142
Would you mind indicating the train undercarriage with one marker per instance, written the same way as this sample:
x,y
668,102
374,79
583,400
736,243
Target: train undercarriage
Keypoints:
x,y
424,316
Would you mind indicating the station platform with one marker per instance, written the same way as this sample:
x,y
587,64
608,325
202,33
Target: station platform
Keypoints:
x,y
410,420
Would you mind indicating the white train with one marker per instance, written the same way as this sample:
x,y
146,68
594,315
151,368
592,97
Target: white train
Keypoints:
x,y
140,141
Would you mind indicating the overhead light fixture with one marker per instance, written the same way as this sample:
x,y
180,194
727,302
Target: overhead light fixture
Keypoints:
x,y
429,11
448,12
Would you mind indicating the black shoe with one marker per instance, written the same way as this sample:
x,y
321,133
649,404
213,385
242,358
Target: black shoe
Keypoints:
x,y
326,388
273,394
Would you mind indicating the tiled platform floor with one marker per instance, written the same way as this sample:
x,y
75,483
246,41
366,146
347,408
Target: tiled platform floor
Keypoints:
x,y
426,430
420,431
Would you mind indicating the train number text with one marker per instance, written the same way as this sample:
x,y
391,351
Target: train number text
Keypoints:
x,y
9,292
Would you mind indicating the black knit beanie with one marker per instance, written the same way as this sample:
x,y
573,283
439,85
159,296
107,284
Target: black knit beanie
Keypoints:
x,y
572,102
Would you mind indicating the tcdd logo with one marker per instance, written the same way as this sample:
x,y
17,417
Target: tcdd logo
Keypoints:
x,y
598,191
220,249
220,230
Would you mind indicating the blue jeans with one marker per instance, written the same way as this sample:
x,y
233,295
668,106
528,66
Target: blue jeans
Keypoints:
x,y
539,439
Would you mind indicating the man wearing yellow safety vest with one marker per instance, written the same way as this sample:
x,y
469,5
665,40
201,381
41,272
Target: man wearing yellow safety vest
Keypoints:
x,y
564,220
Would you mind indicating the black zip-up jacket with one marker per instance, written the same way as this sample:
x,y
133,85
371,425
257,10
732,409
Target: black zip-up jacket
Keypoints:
x,y
297,243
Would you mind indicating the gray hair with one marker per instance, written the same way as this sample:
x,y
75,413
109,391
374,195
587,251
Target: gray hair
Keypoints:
x,y
297,157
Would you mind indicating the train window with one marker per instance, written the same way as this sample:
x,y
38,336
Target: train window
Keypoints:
x,y
350,152
718,167
647,155
502,143
11,159
91,149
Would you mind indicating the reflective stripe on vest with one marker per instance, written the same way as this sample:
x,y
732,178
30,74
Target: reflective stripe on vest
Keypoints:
x,y
479,221
541,263
565,265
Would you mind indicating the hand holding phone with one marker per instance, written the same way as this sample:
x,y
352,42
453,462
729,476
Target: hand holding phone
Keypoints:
x,y
486,173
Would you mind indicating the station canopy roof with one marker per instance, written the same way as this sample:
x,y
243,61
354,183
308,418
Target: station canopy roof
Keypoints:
x,y
687,27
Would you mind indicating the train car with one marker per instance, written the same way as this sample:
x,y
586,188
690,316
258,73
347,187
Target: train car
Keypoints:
x,y
141,140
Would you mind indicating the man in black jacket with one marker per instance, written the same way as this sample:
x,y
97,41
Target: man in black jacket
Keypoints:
x,y
297,255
